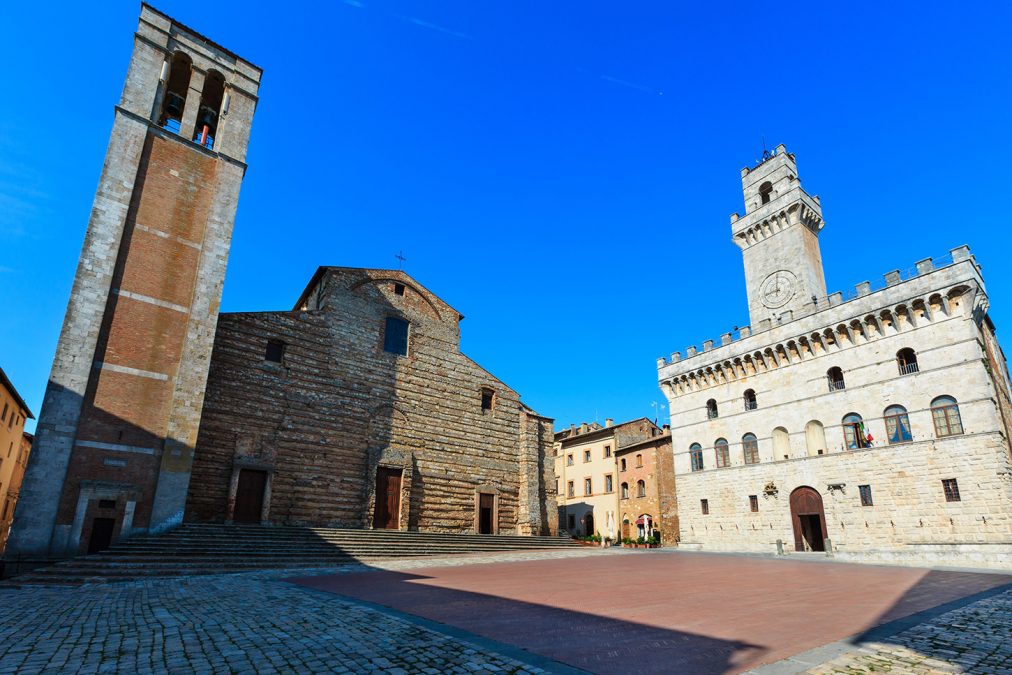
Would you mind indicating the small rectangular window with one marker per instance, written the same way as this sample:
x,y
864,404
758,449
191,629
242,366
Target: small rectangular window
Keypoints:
x,y
865,491
569,459
951,488
587,487
395,336
487,395
609,486
275,351
106,503
753,503
399,289
586,456
570,489
3,417
704,505
607,451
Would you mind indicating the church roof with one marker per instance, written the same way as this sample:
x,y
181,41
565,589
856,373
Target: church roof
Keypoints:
x,y
392,274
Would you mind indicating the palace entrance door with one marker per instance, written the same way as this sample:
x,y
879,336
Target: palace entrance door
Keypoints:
x,y
388,499
809,520
249,496
486,510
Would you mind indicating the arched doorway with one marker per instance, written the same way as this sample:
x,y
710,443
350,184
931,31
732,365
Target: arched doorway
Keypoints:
x,y
589,524
809,520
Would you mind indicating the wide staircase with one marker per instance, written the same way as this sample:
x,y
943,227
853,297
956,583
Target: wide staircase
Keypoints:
x,y
193,549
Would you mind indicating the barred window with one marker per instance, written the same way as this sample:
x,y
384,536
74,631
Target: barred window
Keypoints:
x,y
906,360
951,489
696,455
750,400
711,409
835,378
945,413
865,491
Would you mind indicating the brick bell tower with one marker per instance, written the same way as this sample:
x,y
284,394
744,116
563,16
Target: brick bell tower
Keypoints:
x,y
114,445
779,239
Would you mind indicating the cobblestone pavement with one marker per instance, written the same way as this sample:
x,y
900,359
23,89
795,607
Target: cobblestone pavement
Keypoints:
x,y
972,639
234,623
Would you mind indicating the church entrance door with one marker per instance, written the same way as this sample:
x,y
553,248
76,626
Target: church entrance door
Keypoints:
x,y
101,534
809,520
249,496
486,510
388,499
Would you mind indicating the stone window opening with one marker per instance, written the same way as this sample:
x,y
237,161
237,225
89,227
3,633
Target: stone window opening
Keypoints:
x,y
751,403
639,461
704,506
854,433
211,97
750,448
395,336
170,116
721,453
398,289
945,414
696,456
487,399
753,503
865,491
897,425
625,490
275,351
622,464
765,192
951,488
711,409
641,488
906,361
835,377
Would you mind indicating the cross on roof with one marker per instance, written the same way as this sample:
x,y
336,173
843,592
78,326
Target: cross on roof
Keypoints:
x,y
400,257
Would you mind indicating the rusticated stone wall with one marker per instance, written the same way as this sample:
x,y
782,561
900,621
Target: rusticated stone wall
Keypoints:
x,y
338,406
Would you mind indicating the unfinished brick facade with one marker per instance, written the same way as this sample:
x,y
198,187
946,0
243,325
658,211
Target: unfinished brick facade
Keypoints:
x,y
647,489
313,401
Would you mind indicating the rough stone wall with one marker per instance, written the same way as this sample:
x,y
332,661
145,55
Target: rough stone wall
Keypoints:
x,y
658,476
997,369
339,406
123,402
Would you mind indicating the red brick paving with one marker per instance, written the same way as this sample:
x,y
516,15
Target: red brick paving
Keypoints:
x,y
661,612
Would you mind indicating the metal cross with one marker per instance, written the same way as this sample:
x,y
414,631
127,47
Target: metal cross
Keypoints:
x,y
400,257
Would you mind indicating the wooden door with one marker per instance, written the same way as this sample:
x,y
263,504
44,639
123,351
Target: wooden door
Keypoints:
x,y
101,534
249,496
808,519
486,514
388,499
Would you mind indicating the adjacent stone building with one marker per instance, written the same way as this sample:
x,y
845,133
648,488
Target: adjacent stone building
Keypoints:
x,y
357,409
588,475
115,439
875,422
647,501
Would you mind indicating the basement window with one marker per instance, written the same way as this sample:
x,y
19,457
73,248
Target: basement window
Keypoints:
x,y
275,351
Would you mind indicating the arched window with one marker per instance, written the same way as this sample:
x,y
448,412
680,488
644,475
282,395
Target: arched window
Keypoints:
x,y
750,400
897,424
625,490
210,105
765,192
750,448
621,464
639,460
945,413
781,443
711,409
854,434
174,98
720,450
815,438
906,360
835,377
696,455
641,489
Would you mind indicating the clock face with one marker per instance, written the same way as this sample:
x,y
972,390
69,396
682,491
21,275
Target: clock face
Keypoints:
x,y
777,289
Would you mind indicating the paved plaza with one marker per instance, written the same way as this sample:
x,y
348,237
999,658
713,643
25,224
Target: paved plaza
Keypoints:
x,y
639,611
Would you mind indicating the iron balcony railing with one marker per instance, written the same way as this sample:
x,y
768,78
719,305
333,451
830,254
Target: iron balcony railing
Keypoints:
x,y
907,368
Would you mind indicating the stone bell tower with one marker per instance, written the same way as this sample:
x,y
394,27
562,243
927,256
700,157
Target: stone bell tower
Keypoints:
x,y
779,239
114,444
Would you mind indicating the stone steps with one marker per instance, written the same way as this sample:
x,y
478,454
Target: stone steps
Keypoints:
x,y
194,549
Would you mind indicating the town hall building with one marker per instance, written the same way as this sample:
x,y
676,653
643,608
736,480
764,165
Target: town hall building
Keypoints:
x,y
875,423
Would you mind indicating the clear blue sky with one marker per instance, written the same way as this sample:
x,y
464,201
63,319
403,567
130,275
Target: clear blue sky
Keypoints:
x,y
560,172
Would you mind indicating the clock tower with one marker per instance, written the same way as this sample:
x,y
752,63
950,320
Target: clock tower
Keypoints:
x,y
779,239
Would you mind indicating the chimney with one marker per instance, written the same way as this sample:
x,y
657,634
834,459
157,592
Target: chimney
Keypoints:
x,y
583,427
608,422
666,427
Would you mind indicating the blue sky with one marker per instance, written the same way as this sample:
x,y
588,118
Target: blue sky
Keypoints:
x,y
560,172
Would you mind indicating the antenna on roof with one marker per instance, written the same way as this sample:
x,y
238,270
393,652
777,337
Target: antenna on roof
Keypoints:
x,y
766,153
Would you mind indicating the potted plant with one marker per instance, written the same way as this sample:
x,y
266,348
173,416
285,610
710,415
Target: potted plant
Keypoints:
x,y
652,542
641,542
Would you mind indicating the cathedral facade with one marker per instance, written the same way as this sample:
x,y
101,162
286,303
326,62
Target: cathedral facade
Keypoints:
x,y
875,423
